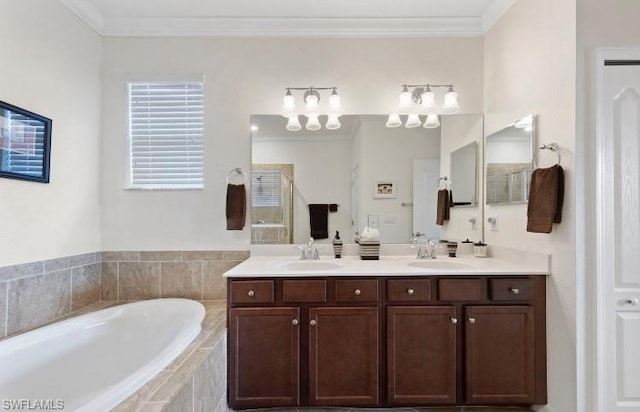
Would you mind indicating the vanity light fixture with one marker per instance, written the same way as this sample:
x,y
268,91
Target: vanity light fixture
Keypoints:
x,y
311,98
422,101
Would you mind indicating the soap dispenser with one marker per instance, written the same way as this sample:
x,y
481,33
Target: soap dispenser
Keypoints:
x,y
337,245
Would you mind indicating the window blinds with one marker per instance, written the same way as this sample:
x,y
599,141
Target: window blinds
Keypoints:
x,y
166,131
266,188
27,159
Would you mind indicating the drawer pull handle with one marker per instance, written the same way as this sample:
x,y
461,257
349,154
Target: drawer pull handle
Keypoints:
x,y
472,320
294,322
251,293
454,320
313,322
410,291
515,291
357,292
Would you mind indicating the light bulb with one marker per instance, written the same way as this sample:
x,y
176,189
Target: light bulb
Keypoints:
x,y
312,107
432,122
335,107
450,105
413,121
428,102
313,123
293,125
333,123
288,105
405,102
394,121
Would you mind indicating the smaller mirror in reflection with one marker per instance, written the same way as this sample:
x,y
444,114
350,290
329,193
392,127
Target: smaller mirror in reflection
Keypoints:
x,y
463,175
509,162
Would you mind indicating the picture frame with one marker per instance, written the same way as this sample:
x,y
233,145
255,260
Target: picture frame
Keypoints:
x,y
25,144
385,189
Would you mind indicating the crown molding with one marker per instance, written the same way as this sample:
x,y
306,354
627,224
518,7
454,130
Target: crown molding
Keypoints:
x,y
494,12
294,137
293,27
87,13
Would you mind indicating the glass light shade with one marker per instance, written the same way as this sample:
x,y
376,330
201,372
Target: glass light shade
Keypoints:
x,y
405,103
313,123
413,121
312,107
333,123
450,105
335,108
288,106
428,103
432,122
293,125
394,121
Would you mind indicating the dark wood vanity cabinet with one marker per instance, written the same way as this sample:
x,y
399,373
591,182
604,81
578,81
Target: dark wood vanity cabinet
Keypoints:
x,y
376,341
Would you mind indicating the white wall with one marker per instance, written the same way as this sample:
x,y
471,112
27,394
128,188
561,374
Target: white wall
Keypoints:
x,y
51,66
530,68
245,77
321,173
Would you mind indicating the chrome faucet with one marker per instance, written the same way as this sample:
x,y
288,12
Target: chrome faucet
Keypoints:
x,y
427,250
310,252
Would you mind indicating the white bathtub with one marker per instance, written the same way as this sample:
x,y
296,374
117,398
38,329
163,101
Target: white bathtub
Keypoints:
x,y
95,361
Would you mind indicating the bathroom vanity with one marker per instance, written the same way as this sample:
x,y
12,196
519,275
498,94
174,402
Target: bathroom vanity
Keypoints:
x,y
398,332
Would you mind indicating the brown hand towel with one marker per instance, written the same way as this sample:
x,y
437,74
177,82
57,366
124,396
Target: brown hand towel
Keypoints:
x,y
319,220
236,206
546,198
443,207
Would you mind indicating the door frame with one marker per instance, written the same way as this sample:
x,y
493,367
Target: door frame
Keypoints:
x,y
604,236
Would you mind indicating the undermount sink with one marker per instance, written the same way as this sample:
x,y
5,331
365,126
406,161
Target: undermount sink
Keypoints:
x,y
440,264
308,266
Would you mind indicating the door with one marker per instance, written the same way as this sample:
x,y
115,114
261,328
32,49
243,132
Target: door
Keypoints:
x,y
426,173
499,347
619,237
264,357
421,355
343,356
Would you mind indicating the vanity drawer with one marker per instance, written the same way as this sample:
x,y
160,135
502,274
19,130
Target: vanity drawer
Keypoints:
x,y
510,289
304,291
458,290
252,291
408,290
357,290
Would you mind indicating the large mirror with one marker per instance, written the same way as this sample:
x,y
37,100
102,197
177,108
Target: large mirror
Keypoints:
x,y
363,174
509,154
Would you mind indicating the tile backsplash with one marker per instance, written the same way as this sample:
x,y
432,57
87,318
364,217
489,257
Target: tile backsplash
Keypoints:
x,y
36,293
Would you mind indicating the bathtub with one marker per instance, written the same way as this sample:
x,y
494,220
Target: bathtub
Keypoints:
x,y
95,361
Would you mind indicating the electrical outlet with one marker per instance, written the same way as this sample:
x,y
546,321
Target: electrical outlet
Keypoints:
x,y
493,223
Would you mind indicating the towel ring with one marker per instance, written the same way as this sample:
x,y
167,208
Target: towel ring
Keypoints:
x,y
235,173
554,147
444,183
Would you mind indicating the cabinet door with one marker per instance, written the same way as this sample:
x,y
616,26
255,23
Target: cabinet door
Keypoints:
x,y
500,355
343,356
421,355
264,357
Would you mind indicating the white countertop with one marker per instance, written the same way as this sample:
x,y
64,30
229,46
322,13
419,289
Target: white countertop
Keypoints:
x,y
284,266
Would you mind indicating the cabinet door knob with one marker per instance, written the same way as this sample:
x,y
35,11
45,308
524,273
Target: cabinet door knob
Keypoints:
x,y
357,292
515,291
454,320
294,322
313,322
251,293
472,320
410,291
632,302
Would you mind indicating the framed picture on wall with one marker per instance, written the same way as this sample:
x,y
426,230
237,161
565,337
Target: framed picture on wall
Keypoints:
x,y
385,189
25,144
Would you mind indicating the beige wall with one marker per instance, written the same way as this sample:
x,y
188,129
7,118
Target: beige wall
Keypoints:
x,y
530,68
245,77
51,66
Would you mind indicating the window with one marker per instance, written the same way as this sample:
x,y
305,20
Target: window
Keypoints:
x,y
25,156
266,188
166,129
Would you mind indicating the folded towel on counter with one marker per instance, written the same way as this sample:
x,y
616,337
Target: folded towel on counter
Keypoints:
x,y
546,198
444,203
319,220
236,206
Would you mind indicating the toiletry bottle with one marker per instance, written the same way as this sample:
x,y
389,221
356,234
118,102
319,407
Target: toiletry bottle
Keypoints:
x,y
337,245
